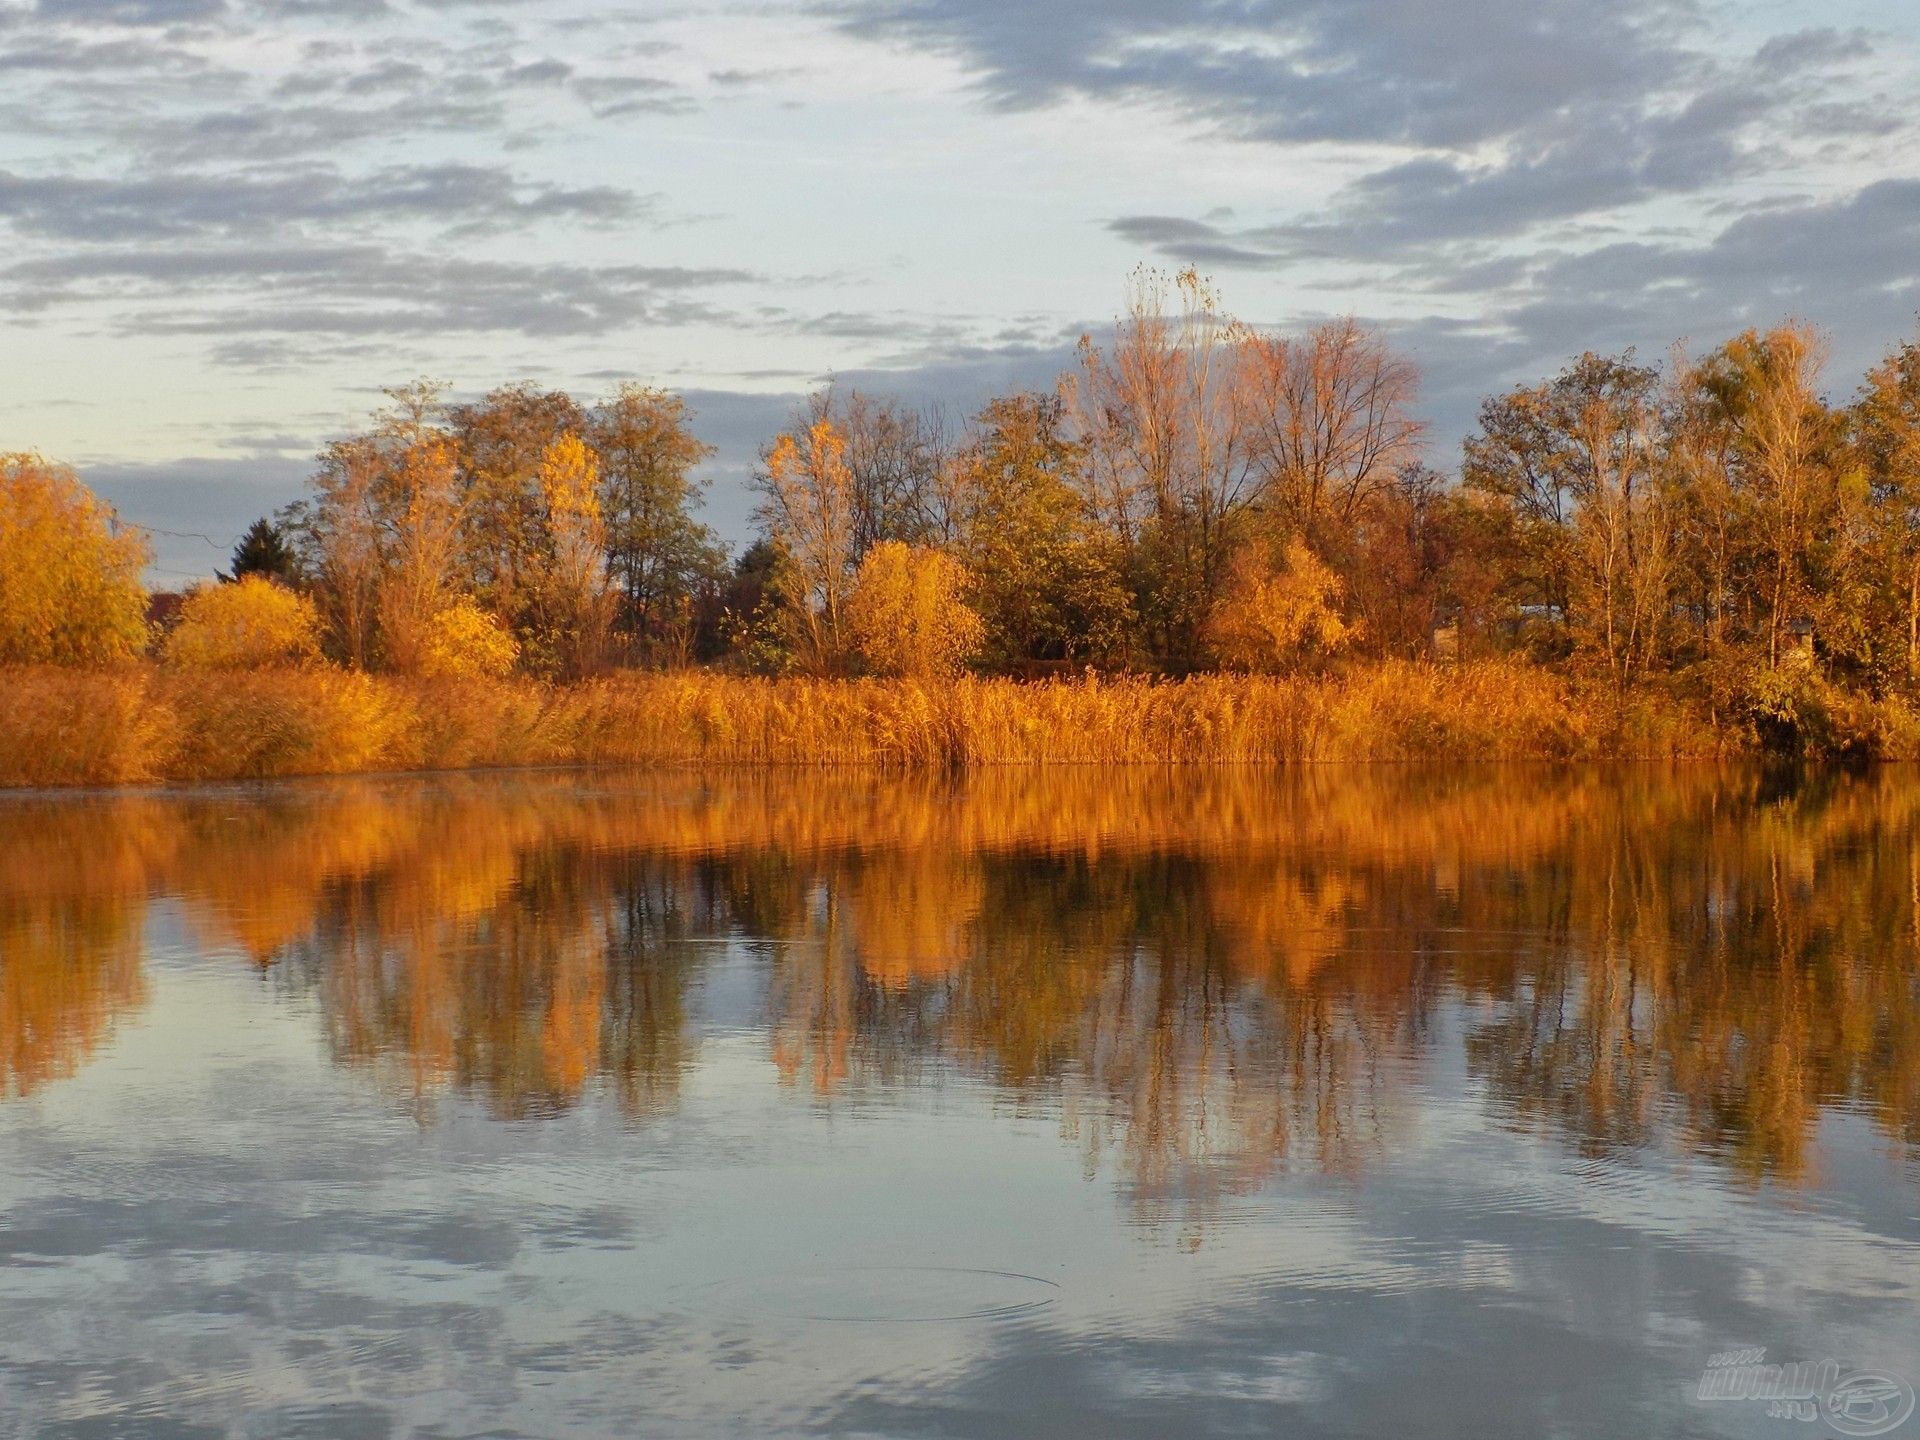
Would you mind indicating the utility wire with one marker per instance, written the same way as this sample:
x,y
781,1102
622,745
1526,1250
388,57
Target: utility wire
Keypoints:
x,y
181,534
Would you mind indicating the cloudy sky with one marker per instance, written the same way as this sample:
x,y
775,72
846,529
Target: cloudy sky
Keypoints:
x,y
228,223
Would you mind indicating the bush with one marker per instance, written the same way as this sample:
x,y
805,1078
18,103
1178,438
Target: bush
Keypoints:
x,y
243,626
906,615
70,591
1278,617
464,642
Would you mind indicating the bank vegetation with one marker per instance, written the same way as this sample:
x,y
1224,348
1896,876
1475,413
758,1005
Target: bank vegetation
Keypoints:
x,y
1209,542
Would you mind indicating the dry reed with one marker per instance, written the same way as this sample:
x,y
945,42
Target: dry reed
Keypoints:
x,y
70,727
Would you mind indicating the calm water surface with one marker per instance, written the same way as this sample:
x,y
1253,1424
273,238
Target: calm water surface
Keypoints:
x,y
1354,1102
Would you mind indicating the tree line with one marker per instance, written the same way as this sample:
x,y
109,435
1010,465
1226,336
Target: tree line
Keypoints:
x,y
1195,493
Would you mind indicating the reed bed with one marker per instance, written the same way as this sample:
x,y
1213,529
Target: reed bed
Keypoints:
x,y
144,724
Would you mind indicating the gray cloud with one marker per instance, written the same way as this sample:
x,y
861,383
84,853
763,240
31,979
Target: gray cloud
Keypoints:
x,y
205,501
612,96
363,290
56,53
1300,70
279,132
323,9
131,12
473,197
1513,113
1851,264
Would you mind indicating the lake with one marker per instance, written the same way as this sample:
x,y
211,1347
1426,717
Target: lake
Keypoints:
x,y
1033,1103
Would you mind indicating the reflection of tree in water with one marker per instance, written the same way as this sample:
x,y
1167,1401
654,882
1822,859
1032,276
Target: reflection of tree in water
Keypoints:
x,y
1210,975
522,983
72,903
1754,969
70,966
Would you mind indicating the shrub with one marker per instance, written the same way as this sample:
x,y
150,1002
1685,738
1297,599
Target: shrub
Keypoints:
x,y
243,626
906,613
70,591
464,642
1276,618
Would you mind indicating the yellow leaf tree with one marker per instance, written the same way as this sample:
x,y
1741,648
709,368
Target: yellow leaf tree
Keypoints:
x,y
70,591
574,593
809,512
1279,617
250,623
464,642
907,615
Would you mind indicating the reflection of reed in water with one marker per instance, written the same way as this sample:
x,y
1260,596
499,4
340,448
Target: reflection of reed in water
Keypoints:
x,y
1210,974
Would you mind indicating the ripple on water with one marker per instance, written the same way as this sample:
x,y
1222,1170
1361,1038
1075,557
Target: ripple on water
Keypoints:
x,y
886,1293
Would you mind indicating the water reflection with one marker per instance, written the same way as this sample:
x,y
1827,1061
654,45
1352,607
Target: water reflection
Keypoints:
x,y
1209,978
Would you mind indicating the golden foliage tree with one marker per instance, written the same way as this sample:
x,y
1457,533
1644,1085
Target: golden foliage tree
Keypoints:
x,y
1782,475
1047,579
1173,464
1575,466
907,615
574,595
464,642
425,506
70,591
1278,617
249,623
809,513
502,442
1886,424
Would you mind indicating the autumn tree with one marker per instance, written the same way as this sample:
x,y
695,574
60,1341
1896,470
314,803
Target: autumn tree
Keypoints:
x,y
501,442
807,510
336,532
907,614
1785,478
1886,429
1578,463
1279,613
659,555
1172,465
895,458
571,592
423,510
1048,581
462,641
1333,416
383,533
1421,563
70,591
247,623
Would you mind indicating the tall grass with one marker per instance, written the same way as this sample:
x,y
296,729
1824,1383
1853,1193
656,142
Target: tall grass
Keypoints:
x,y
69,727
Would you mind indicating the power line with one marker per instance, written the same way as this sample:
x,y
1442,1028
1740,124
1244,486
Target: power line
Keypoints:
x,y
182,534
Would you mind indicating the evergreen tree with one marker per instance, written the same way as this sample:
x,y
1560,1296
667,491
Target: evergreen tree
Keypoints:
x,y
264,551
